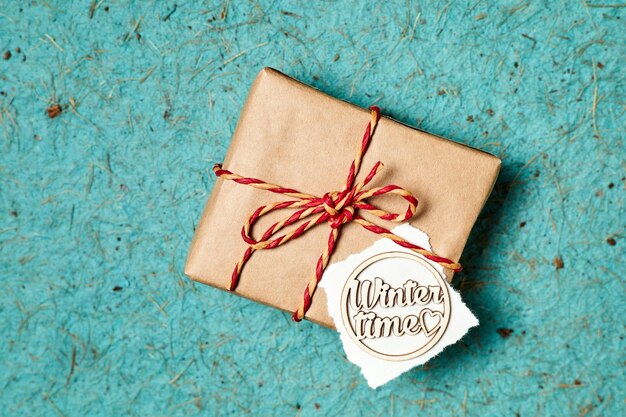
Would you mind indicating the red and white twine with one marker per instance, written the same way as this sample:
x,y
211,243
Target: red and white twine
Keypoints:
x,y
335,208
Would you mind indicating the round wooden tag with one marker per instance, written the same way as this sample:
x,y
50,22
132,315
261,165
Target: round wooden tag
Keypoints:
x,y
395,306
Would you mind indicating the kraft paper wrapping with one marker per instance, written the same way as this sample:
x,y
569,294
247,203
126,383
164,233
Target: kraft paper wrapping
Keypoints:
x,y
295,136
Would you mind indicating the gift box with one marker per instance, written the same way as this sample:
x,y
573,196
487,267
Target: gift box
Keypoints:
x,y
298,137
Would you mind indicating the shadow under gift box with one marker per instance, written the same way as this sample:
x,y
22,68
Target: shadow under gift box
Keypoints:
x,y
295,136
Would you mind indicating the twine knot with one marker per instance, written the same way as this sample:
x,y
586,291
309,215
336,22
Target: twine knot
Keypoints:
x,y
335,208
340,211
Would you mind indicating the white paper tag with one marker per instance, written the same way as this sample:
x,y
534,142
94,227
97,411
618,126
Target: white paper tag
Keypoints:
x,y
393,309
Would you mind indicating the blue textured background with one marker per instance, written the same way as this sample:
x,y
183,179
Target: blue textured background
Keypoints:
x,y
98,205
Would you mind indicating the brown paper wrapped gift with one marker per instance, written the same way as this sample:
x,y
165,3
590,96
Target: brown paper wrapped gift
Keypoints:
x,y
293,135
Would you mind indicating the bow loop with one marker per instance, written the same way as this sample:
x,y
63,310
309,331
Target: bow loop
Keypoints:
x,y
364,205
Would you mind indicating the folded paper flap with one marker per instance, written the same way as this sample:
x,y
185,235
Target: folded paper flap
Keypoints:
x,y
295,136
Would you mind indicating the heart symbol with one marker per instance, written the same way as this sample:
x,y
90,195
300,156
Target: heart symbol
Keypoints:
x,y
434,327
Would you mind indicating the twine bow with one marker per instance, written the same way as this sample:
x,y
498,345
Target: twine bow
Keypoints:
x,y
335,208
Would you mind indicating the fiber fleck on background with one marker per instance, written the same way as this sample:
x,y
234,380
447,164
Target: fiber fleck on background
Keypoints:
x,y
99,204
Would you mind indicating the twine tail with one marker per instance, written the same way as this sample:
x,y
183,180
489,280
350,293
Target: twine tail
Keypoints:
x,y
234,278
383,232
322,262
